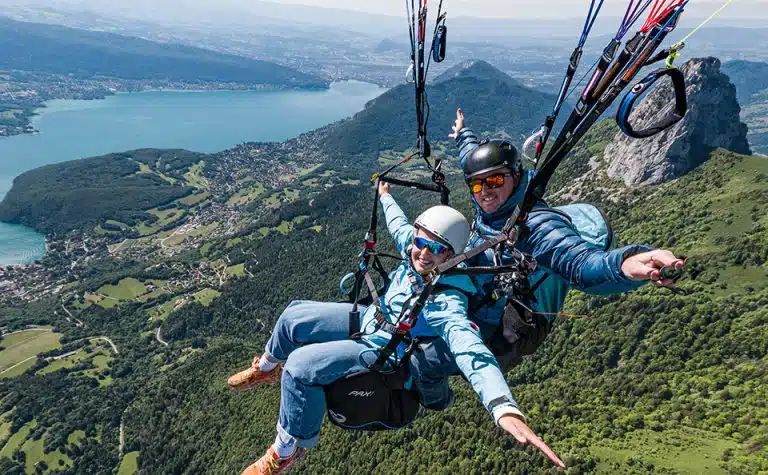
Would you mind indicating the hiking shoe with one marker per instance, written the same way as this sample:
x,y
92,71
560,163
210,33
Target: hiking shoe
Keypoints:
x,y
253,376
272,464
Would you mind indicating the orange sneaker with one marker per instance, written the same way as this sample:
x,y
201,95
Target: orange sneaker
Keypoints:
x,y
272,464
253,376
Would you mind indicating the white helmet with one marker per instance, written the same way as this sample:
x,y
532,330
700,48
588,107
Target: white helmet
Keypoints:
x,y
447,224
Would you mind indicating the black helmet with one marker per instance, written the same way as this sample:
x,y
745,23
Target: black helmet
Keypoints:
x,y
491,155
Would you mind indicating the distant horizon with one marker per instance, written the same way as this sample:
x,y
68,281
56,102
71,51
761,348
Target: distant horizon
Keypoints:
x,y
743,11
519,9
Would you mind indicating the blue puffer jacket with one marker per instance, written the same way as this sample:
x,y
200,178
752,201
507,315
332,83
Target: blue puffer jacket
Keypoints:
x,y
559,250
444,315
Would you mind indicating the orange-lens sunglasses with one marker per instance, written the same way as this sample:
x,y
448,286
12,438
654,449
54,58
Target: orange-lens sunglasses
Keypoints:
x,y
491,182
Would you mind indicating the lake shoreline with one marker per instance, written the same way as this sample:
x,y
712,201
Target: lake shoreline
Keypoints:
x,y
33,116
164,119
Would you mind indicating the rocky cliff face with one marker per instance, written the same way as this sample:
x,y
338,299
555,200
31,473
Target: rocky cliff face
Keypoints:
x,y
712,121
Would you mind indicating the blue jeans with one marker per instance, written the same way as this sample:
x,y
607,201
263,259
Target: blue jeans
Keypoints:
x,y
312,338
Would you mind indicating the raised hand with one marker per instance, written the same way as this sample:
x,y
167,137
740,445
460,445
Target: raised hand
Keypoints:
x,y
648,265
517,428
383,188
458,125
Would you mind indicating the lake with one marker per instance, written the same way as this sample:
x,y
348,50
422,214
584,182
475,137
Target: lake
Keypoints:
x,y
201,121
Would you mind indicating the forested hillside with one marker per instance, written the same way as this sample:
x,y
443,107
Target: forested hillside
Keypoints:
x,y
651,366
147,320
493,100
84,193
57,49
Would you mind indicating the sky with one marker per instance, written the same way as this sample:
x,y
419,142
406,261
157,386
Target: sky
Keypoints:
x,y
532,8
518,9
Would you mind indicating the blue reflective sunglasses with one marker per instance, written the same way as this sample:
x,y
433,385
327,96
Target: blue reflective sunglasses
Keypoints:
x,y
433,246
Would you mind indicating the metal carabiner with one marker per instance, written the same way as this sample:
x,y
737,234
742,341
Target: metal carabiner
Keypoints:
x,y
409,74
527,144
343,284
677,47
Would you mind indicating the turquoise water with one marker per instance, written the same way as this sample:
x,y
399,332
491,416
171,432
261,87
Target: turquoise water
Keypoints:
x,y
20,244
207,121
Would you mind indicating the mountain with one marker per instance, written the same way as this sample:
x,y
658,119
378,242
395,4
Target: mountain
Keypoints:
x,y
651,382
751,81
492,101
749,77
57,49
712,121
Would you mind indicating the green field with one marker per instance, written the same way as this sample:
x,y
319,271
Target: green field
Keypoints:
x,y
165,217
194,198
99,358
126,289
236,270
272,201
177,239
5,426
24,346
17,439
246,195
9,114
34,450
65,363
75,437
130,464
306,171
233,242
686,451
162,311
101,363
194,176
206,296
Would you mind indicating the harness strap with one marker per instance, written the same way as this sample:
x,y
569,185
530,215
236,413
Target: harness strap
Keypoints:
x,y
404,325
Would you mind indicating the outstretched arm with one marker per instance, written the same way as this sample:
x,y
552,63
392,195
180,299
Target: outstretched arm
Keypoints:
x,y
397,222
466,140
447,316
556,245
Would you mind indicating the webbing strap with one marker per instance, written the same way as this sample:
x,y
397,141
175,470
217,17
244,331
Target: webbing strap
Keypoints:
x,y
371,288
404,326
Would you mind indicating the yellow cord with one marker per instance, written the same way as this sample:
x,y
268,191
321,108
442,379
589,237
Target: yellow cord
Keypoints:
x,y
704,22
680,44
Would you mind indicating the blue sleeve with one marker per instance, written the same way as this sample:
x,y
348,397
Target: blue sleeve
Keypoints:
x,y
397,223
466,141
557,246
447,317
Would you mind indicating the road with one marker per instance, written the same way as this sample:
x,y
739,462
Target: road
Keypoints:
x,y
111,343
157,337
17,364
104,338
